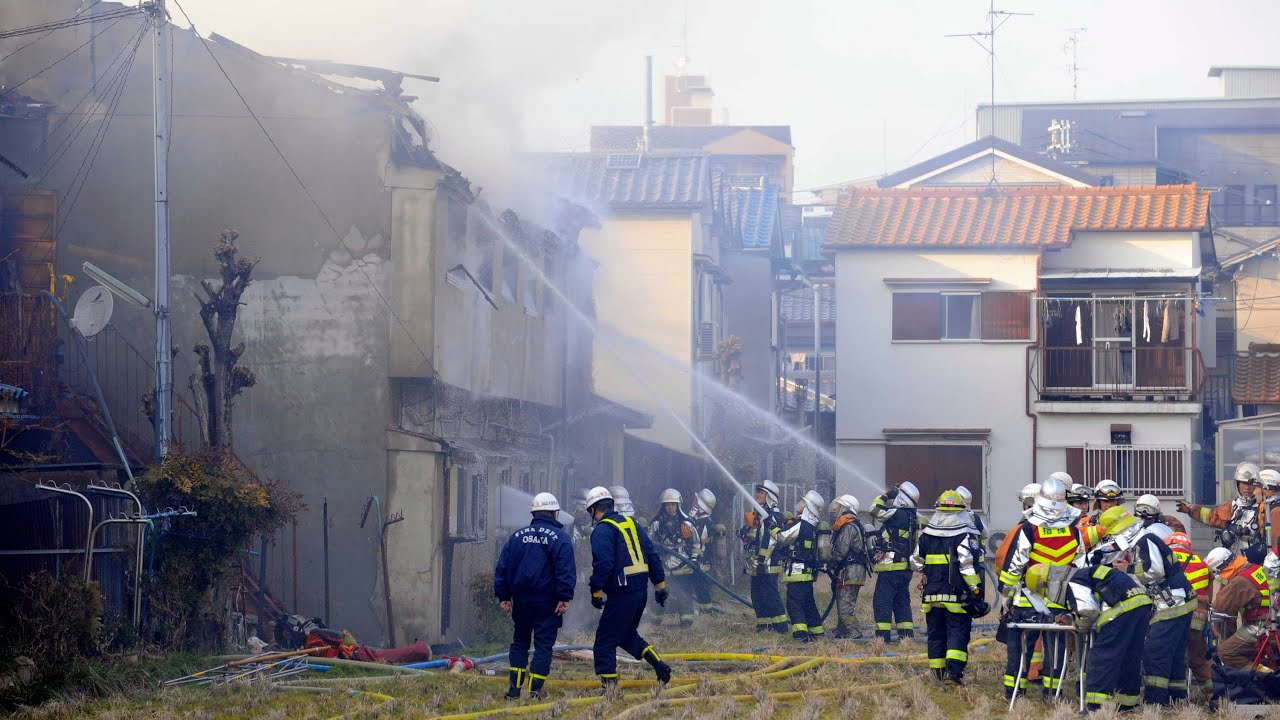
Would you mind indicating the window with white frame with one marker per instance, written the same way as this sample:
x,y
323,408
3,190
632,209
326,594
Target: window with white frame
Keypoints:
x,y
961,316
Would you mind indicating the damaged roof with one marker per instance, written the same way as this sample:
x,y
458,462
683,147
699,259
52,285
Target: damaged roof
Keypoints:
x,y
1018,217
654,180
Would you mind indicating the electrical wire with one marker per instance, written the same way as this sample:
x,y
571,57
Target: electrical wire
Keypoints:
x,y
91,155
305,190
92,36
78,19
51,31
110,75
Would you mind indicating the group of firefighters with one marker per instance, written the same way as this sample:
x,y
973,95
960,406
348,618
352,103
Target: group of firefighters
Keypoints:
x,y
1128,581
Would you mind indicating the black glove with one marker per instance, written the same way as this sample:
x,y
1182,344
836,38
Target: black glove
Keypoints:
x,y
891,495
597,601
661,595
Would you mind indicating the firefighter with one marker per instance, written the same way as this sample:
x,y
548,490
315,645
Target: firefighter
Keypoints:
x,y
1270,481
1164,659
891,601
850,564
947,555
761,565
704,501
623,562
1240,523
1198,575
1245,592
1116,609
802,566
1047,536
1079,497
534,584
673,529
1027,497
622,501
1147,509
967,497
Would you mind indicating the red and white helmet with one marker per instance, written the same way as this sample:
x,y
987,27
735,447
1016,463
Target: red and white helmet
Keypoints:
x,y
1180,542
596,494
544,501
1218,558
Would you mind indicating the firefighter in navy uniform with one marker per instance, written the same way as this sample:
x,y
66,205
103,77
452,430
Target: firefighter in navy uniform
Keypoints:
x,y
802,567
948,555
1116,608
623,563
1164,659
674,530
704,501
761,564
534,584
1198,575
891,601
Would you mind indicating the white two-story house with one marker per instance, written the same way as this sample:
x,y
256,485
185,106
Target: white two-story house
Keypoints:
x,y
992,332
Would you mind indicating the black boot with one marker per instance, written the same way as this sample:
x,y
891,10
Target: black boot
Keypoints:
x,y
609,686
516,680
535,690
937,674
663,672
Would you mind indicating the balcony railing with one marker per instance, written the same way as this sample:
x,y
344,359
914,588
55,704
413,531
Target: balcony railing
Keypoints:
x,y
1117,371
1138,469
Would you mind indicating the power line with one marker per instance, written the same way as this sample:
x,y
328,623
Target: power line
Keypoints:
x,y
305,190
78,48
78,19
50,32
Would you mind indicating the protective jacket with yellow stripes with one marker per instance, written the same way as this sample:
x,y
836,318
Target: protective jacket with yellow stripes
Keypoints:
x,y
947,555
1056,542
623,558
897,537
1100,593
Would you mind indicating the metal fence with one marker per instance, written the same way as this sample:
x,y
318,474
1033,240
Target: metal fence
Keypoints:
x,y
1117,370
1138,469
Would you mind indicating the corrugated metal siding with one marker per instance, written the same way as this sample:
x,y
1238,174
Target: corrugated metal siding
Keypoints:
x,y
1251,82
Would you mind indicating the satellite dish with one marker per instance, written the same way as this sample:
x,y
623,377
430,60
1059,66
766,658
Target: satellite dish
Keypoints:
x,y
93,311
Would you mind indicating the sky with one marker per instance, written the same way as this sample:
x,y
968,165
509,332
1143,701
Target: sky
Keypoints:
x,y
866,87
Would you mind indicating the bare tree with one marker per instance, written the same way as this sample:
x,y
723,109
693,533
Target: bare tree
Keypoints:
x,y
220,374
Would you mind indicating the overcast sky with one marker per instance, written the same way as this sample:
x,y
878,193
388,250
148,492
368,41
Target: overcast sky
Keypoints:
x,y
864,85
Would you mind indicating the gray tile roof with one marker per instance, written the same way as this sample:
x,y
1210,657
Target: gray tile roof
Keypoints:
x,y
663,180
627,137
797,305
755,211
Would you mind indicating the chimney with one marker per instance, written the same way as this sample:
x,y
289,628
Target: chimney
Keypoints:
x,y
648,101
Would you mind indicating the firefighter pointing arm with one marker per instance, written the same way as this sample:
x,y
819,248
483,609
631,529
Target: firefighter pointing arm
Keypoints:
x,y
1241,522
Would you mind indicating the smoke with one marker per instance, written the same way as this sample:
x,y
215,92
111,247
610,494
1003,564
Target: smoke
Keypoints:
x,y
505,67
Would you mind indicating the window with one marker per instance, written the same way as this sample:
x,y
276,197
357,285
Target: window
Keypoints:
x,y
1265,197
470,494
486,251
531,283
992,315
935,468
960,316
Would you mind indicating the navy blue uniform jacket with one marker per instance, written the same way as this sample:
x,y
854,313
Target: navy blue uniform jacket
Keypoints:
x,y
536,564
610,557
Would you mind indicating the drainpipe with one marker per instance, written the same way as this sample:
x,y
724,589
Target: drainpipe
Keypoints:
x,y
648,102
1031,347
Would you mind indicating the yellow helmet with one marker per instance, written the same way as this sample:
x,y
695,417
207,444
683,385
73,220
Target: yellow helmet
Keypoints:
x,y
1036,577
1116,520
949,501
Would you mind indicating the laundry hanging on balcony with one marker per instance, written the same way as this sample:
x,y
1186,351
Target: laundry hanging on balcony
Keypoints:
x,y
1079,327
1146,323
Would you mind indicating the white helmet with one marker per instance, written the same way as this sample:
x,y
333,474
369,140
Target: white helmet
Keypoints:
x,y
1029,492
770,490
909,490
705,501
1161,531
1270,479
813,504
1247,472
965,495
845,503
1147,506
1108,490
622,501
670,495
544,501
1218,558
596,494
1062,477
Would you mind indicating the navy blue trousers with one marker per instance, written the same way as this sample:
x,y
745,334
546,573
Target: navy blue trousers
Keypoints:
x,y
1164,660
767,601
1114,668
617,629
536,619
891,601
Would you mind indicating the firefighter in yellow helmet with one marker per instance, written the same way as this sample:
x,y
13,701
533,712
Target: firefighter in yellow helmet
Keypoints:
x,y
952,594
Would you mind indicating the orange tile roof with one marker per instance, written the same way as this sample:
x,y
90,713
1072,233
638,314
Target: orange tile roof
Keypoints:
x,y
1027,217
1257,376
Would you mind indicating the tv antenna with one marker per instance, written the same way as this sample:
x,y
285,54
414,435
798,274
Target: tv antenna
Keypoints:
x,y
987,41
1072,49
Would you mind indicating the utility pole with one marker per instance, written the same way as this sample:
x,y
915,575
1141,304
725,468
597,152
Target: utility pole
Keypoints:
x,y
817,364
164,342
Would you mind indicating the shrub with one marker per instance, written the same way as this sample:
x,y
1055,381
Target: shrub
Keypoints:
x,y
492,625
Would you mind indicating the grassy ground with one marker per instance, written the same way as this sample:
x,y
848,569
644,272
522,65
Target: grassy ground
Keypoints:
x,y
896,689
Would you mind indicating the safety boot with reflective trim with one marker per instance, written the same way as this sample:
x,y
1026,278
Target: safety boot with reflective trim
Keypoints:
x,y
609,686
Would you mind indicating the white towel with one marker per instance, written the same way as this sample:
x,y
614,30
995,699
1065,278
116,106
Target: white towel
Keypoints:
x,y
1146,323
1079,328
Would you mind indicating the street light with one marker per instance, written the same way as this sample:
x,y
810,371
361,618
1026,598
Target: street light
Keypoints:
x,y
115,285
